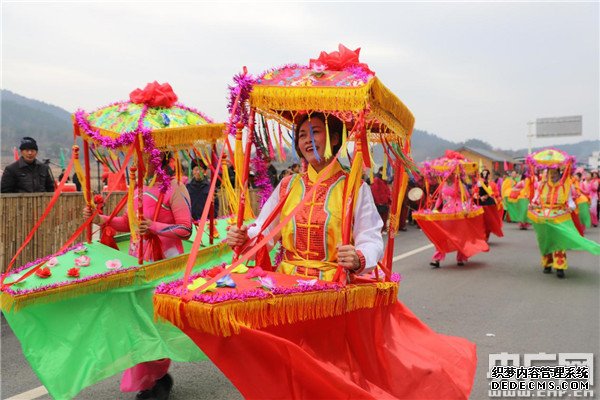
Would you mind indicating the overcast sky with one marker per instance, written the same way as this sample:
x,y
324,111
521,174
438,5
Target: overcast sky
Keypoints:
x,y
466,70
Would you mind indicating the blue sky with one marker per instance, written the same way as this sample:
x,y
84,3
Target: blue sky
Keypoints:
x,y
465,69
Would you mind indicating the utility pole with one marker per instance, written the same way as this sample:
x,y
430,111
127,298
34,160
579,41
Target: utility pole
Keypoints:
x,y
530,135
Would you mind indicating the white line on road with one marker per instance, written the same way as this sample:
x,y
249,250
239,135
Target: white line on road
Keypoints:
x,y
30,394
412,252
40,391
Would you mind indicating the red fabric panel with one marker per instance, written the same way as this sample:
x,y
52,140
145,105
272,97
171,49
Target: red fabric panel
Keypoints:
x,y
383,353
492,218
466,235
580,227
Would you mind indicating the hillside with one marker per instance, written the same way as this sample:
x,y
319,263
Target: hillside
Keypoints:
x,y
50,125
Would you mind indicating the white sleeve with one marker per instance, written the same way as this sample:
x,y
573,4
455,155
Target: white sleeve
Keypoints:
x,y
367,227
265,211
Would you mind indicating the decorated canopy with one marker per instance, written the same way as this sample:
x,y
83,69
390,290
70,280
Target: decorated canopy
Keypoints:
x,y
334,83
152,111
550,158
451,162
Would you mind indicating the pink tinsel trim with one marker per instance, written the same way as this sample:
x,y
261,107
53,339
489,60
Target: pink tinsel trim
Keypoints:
x,y
176,289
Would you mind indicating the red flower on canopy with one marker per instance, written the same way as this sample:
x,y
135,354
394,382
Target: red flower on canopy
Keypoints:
x,y
215,271
43,272
454,155
339,60
154,95
73,273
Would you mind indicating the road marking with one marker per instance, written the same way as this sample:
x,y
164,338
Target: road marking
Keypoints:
x,y
30,394
412,252
40,391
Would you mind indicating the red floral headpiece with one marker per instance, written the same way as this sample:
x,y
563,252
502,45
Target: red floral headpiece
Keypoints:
x,y
154,95
339,60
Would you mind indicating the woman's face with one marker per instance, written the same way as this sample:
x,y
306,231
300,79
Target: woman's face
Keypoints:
x,y
305,144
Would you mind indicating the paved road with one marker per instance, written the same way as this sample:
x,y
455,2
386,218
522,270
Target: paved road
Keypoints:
x,y
500,300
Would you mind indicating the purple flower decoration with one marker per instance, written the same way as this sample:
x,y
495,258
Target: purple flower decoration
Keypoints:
x,y
267,283
307,283
226,281
243,86
80,249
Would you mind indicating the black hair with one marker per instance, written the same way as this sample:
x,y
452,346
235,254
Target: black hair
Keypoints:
x,y
335,125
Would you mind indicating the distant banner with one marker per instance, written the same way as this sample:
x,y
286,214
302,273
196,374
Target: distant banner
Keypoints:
x,y
558,126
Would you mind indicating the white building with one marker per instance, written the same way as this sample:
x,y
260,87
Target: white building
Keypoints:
x,y
594,161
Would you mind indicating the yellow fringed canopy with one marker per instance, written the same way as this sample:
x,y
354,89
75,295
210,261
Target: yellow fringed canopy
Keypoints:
x,y
386,113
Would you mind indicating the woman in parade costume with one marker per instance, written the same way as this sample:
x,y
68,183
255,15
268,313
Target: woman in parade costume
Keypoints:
x,y
507,185
163,232
518,201
450,200
581,215
593,183
315,234
487,195
310,241
551,212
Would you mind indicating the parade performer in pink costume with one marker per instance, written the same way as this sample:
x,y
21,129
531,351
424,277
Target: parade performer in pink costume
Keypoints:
x,y
450,201
170,225
589,187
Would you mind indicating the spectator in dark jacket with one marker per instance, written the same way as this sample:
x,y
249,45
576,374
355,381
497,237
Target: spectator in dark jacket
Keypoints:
x,y
27,174
76,182
198,187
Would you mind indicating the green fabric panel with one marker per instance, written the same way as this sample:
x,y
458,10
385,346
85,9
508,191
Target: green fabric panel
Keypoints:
x,y
564,236
74,343
584,214
517,210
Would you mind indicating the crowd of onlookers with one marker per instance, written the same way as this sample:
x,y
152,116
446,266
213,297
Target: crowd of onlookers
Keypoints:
x,y
29,175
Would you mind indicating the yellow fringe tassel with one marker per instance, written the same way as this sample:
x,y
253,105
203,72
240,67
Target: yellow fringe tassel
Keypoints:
x,y
328,154
381,102
344,140
133,221
175,138
248,213
101,284
81,176
227,318
446,217
232,198
385,164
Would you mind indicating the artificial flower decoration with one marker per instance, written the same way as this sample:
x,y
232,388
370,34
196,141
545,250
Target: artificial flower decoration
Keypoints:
x,y
154,95
44,272
266,283
73,272
80,249
114,264
226,281
82,261
256,272
454,155
307,283
196,283
339,60
52,262
240,269
215,271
